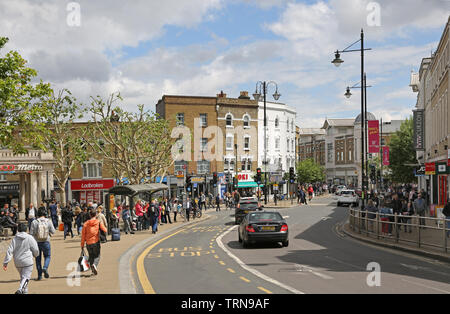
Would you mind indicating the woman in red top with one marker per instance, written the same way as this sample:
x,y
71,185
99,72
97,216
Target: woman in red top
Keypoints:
x,y
310,192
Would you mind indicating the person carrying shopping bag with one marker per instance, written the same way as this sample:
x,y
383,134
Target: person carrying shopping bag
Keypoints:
x,y
90,236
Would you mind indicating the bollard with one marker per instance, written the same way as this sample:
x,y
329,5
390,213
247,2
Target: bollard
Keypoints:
x,y
396,227
445,234
378,225
367,222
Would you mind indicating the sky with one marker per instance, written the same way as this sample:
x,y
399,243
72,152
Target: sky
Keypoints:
x,y
145,49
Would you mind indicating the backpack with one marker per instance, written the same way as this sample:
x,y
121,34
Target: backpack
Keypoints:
x,y
42,230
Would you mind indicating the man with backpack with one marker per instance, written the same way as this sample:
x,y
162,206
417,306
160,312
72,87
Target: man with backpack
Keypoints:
x,y
42,229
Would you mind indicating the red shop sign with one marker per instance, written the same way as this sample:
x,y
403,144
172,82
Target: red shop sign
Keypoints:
x,y
86,185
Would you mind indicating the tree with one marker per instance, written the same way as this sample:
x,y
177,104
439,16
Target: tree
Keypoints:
x,y
63,137
402,154
22,104
308,171
137,145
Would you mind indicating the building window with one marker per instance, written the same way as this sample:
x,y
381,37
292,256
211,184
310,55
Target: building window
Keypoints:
x,y
92,169
277,122
277,143
178,165
229,142
204,144
288,146
246,121
330,152
180,146
228,165
246,143
229,120
180,118
203,166
203,120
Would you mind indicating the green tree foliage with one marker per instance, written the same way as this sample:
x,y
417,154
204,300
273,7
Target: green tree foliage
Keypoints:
x,y
308,171
22,103
63,137
137,145
402,154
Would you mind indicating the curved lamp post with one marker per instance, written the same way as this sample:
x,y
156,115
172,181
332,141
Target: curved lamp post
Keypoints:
x,y
260,95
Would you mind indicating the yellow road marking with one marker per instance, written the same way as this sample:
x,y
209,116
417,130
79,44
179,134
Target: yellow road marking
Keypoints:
x,y
145,283
216,256
265,290
245,279
231,270
221,263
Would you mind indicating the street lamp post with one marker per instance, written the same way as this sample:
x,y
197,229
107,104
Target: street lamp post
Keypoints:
x,y
257,95
337,62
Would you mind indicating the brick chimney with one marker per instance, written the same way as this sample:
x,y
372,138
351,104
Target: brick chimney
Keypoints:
x,y
222,95
244,95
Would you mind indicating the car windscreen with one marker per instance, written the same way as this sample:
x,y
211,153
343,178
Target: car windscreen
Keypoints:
x,y
260,217
347,192
248,205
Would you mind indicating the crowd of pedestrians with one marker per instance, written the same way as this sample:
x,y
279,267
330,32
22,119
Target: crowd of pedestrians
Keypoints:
x,y
402,201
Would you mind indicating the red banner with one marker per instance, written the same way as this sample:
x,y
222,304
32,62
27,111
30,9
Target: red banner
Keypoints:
x,y
386,156
374,136
430,168
86,185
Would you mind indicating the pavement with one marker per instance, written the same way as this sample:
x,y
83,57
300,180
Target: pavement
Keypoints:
x,y
64,256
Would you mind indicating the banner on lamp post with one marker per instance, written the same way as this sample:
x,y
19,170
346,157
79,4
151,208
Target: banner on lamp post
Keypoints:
x,y
386,156
374,136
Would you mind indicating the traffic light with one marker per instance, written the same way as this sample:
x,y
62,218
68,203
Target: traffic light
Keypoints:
x,y
372,172
258,176
214,178
292,174
235,182
188,180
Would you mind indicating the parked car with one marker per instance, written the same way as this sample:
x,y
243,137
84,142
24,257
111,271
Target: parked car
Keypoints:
x,y
245,206
262,226
339,188
348,197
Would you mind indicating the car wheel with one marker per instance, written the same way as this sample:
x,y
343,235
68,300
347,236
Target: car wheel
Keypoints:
x,y
286,243
245,244
338,204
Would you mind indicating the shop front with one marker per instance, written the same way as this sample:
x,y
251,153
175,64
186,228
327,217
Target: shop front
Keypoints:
x,y
247,187
90,191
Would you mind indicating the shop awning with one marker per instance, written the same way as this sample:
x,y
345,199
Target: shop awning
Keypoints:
x,y
249,185
132,190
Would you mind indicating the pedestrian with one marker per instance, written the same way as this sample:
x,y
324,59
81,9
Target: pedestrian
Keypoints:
x,y
155,210
178,208
90,236
420,208
385,213
168,209
67,219
218,202
139,210
188,209
407,212
101,217
371,215
396,206
203,201
42,229
194,208
126,217
446,213
78,224
310,192
114,222
54,213
147,219
7,222
30,214
23,248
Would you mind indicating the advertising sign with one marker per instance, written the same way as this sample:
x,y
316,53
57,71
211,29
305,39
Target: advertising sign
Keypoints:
x,y
430,168
419,127
374,136
386,156
85,185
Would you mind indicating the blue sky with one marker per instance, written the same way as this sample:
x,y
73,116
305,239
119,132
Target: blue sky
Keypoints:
x,y
146,49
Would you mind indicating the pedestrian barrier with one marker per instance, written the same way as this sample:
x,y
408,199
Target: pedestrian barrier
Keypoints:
x,y
417,230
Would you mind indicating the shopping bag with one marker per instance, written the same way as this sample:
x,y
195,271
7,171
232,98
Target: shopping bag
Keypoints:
x,y
83,262
61,227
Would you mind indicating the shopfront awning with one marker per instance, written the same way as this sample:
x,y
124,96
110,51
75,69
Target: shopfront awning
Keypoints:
x,y
249,185
131,190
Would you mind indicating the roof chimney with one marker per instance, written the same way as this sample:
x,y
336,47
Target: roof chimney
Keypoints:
x,y
244,95
222,95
